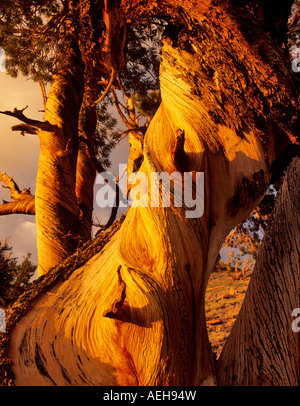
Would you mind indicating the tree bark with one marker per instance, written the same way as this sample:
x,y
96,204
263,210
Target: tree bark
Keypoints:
x,y
263,348
86,170
59,229
134,314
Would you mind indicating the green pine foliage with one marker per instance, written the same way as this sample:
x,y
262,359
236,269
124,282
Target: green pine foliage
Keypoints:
x,y
141,72
14,277
34,33
107,136
31,34
147,103
7,264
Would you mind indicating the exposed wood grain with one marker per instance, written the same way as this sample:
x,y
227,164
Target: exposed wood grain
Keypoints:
x,y
231,101
262,348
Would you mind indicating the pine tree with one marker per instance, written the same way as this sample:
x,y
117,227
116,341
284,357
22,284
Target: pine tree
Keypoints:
x,y
62,43
128,308
31,35
14,277
22,276
7,268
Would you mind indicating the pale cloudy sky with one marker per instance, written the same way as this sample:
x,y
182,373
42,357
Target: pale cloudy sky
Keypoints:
x,y
19,159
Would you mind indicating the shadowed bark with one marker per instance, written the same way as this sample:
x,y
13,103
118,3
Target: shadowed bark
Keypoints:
x,y
133,313
262,348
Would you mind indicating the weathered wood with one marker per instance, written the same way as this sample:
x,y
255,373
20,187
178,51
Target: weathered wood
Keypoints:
x,y
43,284
59,229
262,348
23,201
238,111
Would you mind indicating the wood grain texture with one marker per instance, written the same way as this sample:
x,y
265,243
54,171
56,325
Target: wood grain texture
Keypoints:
x,y
133,314
262,348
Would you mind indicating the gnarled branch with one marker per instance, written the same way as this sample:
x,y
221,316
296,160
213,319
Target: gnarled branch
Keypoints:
x,y
114,43
42,125
25,129
23,201
44,93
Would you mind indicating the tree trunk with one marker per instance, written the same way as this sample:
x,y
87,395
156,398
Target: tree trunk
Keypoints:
x,y
133,314
263,348
86,170
59,229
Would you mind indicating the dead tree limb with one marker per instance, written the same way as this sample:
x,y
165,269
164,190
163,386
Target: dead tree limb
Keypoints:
x,y
16,113
23,201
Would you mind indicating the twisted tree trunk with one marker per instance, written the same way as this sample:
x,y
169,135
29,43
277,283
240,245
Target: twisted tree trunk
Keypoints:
x,y
133,313
57,213
263,348
86,170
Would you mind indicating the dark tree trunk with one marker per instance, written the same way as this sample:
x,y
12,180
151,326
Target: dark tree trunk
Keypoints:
x,y
263,348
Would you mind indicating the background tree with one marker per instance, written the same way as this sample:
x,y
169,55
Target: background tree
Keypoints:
x,y
128,308
41,33
14,277
241,247
7,264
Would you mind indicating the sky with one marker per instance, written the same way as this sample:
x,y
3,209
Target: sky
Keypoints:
x,y
19,159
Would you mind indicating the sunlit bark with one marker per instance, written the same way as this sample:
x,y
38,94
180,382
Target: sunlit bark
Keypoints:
x,y
63,202
23,201
86,168
57,213
134,314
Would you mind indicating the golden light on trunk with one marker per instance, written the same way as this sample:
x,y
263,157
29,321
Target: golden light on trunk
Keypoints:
x,y
128,308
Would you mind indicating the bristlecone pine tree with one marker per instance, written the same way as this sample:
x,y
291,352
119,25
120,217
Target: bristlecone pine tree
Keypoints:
x,y
14,277
128,307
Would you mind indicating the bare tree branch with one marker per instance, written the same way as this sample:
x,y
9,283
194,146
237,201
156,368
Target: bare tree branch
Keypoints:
x,y
25,129
25,206
44,94
43,125
117,104
3,303
23,201
114,57
131,124
108,87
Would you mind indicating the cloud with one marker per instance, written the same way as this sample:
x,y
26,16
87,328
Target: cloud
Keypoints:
x,y
2,60
19,159
18,154
20,230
